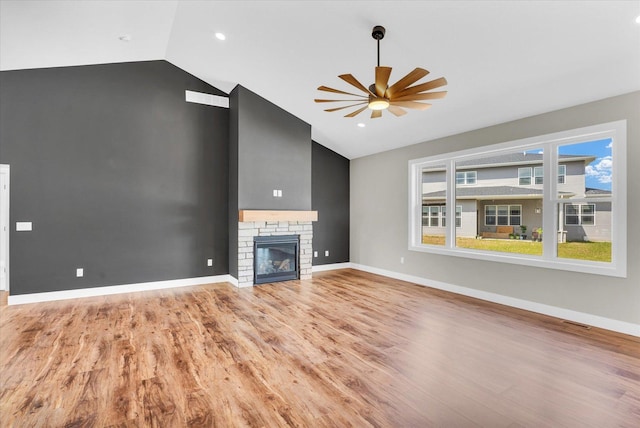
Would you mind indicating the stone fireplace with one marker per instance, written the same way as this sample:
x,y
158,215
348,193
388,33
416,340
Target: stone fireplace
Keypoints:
x,y
254,225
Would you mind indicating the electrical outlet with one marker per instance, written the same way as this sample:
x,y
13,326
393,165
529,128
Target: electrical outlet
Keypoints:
x,y
24,226
279,193
326,253
209,262
79,272
275,193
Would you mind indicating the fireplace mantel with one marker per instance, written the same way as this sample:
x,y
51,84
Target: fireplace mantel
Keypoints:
x,y
269,215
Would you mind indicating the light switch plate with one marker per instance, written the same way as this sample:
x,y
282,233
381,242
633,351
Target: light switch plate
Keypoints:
x,y
24,226
326,253
275,193
79,272
279,193
315,254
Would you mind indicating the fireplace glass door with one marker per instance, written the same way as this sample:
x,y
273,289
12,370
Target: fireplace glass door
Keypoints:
x,y
275,258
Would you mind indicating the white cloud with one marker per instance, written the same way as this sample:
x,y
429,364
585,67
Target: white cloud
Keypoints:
x,y
600,170
610,144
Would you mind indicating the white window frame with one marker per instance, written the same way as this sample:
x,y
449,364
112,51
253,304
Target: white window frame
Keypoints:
x,y
579,215
562,177
617,131
429,216
530,176
466,181
508,214
540,175
442,219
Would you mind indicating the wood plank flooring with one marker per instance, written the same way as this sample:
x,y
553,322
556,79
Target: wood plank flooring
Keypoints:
x,y
344,349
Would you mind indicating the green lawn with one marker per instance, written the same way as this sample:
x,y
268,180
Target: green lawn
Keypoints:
x,y
594,251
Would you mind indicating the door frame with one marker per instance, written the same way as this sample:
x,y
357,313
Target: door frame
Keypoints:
x,y
4,205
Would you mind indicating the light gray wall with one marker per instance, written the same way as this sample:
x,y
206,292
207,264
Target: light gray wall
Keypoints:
x,y
379,226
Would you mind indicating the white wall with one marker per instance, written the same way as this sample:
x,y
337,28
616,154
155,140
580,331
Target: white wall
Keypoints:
x,y
379,219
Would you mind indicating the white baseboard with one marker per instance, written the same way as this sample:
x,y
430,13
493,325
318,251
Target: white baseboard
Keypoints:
x,y
567,314
114,289
333,266
233,280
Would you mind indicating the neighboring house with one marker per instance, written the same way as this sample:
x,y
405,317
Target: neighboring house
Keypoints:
x,y
501,193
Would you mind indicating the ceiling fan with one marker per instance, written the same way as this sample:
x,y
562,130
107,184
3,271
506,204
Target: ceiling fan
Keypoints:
x,y
379,96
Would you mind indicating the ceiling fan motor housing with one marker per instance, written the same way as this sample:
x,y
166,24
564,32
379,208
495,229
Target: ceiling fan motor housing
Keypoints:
x,y
378,32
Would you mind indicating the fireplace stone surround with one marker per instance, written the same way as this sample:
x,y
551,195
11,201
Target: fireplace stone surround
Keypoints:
x,y
266,223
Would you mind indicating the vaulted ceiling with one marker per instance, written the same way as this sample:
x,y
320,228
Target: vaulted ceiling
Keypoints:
x,y
503,60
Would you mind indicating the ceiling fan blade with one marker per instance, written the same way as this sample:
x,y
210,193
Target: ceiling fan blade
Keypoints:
x,y
340,108
382,80
354,113
425,96
337,91
396,110
422,87
354,82
411,104
335,101
376,113
417,74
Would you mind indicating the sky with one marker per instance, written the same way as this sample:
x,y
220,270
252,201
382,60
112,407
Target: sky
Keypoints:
x,y
598,172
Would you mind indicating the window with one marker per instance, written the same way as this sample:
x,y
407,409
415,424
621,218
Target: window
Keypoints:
x,y
537,174
436,216
443,210
562,173
583,212
524,176
490,218
466,177
502,215
431,216
579,215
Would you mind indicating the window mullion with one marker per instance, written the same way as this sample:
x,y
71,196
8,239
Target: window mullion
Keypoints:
x,y
450,230
549,207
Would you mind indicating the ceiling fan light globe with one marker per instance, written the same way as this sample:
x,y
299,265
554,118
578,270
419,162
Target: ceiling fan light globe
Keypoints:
x,y
378,104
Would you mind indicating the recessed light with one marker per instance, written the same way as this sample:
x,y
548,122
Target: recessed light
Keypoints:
x,y
638,19
220,36
361,125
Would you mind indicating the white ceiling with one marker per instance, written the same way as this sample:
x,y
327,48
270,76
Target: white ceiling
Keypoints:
x,y
504,60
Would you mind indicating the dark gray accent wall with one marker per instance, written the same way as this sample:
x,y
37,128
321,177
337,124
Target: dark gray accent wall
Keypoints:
x,y
233,184
119,175
270,149
330,197
273,152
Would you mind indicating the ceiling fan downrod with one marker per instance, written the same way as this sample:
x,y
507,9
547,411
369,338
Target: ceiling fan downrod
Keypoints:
x,y
378,34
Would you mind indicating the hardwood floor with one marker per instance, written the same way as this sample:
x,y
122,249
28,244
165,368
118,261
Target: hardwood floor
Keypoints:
x,y
346,348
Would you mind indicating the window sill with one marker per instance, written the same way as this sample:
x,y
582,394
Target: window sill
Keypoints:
x,y
589,267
